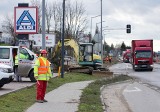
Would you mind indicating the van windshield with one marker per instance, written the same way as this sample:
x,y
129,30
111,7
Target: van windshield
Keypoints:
x,y
4,53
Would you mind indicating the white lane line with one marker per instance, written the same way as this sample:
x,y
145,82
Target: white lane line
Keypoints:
x,y
133,90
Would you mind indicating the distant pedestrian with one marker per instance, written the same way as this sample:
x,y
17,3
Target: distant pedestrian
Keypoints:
x,y
110,59
42,74
106,59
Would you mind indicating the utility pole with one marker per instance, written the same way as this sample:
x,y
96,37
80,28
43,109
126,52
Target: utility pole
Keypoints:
x,y
101,37
43,25
62,41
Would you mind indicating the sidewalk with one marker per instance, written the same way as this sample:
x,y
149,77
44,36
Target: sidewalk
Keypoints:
x,y
63,99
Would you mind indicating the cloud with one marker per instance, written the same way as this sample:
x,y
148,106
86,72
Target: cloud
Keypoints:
x,y
143,15
7,7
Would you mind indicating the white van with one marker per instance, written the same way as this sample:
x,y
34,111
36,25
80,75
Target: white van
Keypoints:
x,y
6,74
25,66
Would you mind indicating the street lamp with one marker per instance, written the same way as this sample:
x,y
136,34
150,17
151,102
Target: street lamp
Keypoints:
x,y
105,27
101,37
99,23
91,22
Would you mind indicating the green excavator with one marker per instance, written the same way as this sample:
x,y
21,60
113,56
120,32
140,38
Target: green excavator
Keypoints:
x,y
83,53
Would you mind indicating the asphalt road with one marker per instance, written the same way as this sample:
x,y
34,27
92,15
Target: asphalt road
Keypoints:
x,y
142,98
140,95
14,86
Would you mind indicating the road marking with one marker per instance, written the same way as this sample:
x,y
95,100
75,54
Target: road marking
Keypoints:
x,y
133,90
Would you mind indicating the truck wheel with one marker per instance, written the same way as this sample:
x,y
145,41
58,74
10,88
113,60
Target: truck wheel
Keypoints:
x,y
133,67
31,76
1,85
151,69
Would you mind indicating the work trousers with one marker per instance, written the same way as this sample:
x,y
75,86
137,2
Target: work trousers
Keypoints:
x,y
18,78
41,89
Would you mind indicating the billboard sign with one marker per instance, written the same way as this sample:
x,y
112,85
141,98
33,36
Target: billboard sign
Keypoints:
x,y
37,40
25,20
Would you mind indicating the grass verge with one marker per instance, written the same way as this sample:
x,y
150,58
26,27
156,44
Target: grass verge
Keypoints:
x,y
20,100
90,100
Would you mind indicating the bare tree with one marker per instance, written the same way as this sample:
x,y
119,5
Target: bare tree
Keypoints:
x,y
8,27
49,14
39,5
75,20
58,16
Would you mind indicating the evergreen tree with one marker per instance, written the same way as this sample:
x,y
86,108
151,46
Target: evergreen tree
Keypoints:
x,y
123,46
106,47
112,47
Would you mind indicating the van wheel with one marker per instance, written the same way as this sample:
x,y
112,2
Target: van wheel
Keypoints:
x,y
31,76
1,85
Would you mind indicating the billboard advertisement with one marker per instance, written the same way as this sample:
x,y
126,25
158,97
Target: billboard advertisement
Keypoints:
x,y
25,20
37,40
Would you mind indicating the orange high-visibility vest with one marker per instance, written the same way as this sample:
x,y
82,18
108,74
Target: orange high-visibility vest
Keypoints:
x,y
43,68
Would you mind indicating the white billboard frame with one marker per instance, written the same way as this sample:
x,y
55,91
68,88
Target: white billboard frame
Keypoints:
x,y
37,40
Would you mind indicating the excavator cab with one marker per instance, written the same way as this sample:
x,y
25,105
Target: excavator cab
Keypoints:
x,y
85,52
86,56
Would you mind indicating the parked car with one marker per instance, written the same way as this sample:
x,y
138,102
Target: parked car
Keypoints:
x,y
6,74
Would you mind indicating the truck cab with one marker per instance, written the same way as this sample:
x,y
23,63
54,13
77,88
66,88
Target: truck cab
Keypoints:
x,y
142,54
127,56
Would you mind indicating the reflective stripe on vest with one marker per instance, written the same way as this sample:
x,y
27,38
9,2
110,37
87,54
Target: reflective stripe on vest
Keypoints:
x,y
43,68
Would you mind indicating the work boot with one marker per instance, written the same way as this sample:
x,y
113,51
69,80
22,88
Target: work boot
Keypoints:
x,y
39,101
45,100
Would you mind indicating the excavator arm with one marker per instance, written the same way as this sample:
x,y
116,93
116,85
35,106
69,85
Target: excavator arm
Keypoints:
x,y
73,44
68,42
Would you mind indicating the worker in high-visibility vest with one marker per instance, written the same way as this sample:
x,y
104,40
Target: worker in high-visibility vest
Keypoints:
x,y
106,59
42,74
22,56
110,59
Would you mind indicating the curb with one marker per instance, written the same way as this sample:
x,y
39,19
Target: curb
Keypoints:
x,y
103,87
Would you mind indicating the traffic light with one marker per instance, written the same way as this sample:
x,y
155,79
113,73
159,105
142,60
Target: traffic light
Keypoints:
x,y
128,28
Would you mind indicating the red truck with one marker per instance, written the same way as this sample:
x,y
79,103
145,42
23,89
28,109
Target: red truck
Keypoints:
x,y
142,54
126,56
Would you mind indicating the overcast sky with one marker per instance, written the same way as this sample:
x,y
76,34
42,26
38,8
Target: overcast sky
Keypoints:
x,y
143,15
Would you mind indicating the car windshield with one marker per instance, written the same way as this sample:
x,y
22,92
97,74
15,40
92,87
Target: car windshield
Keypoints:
x,y
143,54
4,53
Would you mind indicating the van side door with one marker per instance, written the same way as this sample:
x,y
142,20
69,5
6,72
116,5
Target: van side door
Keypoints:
x,y
24,63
